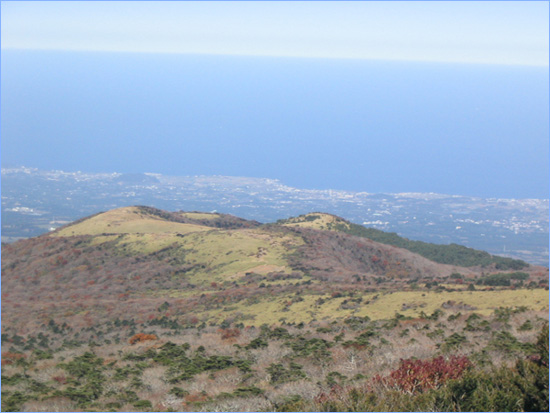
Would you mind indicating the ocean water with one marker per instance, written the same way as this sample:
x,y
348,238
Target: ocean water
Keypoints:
x,y
478,130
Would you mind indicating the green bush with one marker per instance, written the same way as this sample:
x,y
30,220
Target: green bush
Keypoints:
x,y
142,404
475,323
10,381
13,402
247,391
454,341
178,392
527,326
258,342
508,344
524,388
88,378
279,374
314,346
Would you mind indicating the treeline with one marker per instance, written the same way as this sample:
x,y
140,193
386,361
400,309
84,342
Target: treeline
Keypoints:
x,y
504,279
452,254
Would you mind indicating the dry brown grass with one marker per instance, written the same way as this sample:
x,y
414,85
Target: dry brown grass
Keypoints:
x,y
54,404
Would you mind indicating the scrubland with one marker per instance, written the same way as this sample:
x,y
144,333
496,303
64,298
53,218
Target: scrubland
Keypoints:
x,y
446,360
142,310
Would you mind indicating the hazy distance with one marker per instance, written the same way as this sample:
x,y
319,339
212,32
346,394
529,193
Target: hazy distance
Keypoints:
x,y
375,126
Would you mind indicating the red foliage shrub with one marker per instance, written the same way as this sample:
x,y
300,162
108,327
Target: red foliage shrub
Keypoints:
x,y
415,376
193,320
336,392
9,358
60,379
229,333
196,397
140,337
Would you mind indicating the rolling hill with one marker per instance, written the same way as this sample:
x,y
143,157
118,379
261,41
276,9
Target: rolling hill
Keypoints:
x,y
221,267
142,309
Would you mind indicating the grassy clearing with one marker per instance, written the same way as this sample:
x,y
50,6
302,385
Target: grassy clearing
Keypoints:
x,y
377,306
484,302
230,254
218,255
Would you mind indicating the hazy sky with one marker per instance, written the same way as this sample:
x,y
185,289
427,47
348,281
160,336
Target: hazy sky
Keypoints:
x,y
232,88
501,32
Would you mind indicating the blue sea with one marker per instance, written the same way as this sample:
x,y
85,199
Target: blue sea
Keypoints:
x,y
374,126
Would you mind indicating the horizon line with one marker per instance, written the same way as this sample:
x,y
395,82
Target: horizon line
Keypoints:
x,y
274,56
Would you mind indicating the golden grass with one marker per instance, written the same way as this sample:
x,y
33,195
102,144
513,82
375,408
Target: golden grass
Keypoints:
x,y
200,215
217,255
231,254
485,302
321,221
128,220
270,309
147,243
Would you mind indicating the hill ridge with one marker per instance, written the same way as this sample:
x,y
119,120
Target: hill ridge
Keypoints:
x,y
236,269
452,254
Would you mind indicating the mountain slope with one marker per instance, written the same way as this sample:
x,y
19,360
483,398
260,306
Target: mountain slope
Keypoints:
x,y
452,254
138,309
127,262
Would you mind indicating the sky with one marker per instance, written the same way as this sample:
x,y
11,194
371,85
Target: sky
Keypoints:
x,y
448,97
499,32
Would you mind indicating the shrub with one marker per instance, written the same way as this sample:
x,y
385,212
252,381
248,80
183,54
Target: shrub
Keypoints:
x,y
13,402
142,404
259,342
541,346
475,323
247,391
507,343
9,357
314,346
415,376
228,333
454,341
10,381
140,337
527,326
87,370
279,374
503,389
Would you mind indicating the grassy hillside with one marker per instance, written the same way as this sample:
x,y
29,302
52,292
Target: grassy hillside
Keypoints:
x,y
139,309
452,254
